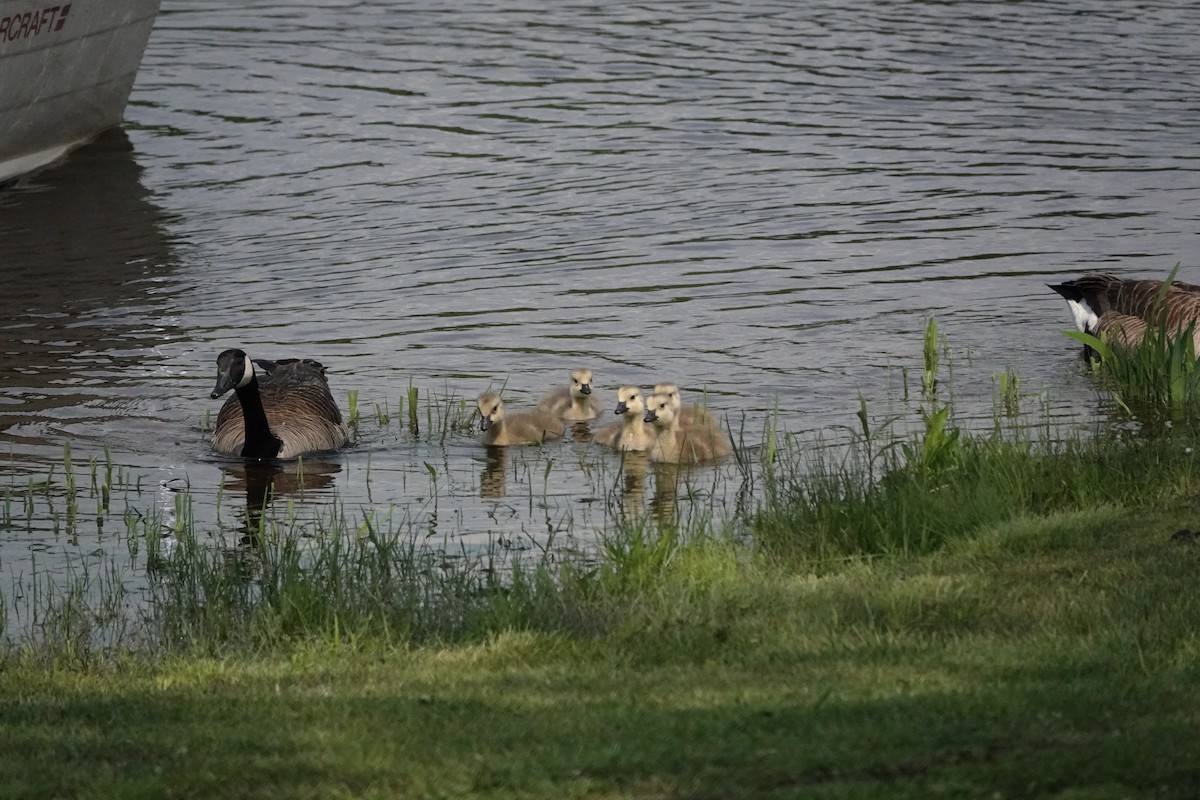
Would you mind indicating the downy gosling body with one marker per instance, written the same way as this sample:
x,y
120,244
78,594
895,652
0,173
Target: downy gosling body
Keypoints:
x,y
575,402
288,413
674,444
527,427
631,433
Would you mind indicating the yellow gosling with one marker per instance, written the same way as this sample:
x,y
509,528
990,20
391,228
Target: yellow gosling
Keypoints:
x,y
687,415
575,402
632,432
676,445
527,427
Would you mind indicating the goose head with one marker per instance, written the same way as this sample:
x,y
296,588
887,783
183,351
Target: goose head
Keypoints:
x,y
1083,314
660,411
235,370
491,410
629,401
671,391
581,383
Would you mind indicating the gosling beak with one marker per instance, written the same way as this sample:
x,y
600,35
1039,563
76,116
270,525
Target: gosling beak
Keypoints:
x,y
484,423
650,415
586,388
621,409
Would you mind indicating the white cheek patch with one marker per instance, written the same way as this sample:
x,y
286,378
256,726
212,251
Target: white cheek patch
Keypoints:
x,y
1085,318
247,373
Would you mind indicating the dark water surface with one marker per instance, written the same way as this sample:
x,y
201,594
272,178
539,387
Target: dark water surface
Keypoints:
x,y
763,202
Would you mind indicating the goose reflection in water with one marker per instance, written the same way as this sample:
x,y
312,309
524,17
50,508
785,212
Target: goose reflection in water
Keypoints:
x,y
628,494
581,432
491,479
664,505
267,481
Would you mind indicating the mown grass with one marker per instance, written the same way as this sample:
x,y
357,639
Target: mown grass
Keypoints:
x,y
1043,657
1006,613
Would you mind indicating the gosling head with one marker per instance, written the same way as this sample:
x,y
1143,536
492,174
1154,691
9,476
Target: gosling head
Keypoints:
x,y
629,401
234,370
491,410
672,393
659,411
581,382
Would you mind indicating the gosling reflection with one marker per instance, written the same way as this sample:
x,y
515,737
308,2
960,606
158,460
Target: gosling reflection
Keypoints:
x,y
627,497
491,479
665,503
581,432
628,494
265,482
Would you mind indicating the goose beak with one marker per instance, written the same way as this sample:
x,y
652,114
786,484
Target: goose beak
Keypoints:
x,y
621,409
225,382
650,416
586,388
484,423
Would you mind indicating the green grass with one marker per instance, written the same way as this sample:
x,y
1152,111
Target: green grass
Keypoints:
x,y
1044,657
916,495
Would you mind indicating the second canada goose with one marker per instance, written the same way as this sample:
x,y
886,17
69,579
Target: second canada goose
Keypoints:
x,y
632,432
527,427
575,402
287,414
1125,309
676,445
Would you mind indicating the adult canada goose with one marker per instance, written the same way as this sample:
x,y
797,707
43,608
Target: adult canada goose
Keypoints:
x,y
1126,309
526,427
288,413
676,445
575,402
632,432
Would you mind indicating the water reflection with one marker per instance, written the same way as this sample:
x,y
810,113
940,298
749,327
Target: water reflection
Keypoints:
x,y
264,483
83,255
665,503
492,477
628,495
581,432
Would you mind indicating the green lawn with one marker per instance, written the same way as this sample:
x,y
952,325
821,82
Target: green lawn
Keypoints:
x,y
1044,657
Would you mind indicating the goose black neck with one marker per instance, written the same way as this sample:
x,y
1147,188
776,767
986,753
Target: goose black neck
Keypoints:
x,y
260,442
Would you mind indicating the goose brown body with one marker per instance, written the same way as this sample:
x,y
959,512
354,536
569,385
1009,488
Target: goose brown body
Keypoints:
x,y
631,433
525,427
286,413
1125,309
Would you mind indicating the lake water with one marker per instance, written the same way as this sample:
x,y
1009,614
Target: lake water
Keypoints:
x,y
763,202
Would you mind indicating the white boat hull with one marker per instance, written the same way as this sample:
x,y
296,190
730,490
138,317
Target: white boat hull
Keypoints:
x,y
65,74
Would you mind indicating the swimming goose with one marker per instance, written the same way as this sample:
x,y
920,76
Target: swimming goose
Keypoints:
x,y
1126,309
526,427
687,415
676,445
631,433
288,413
574,402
